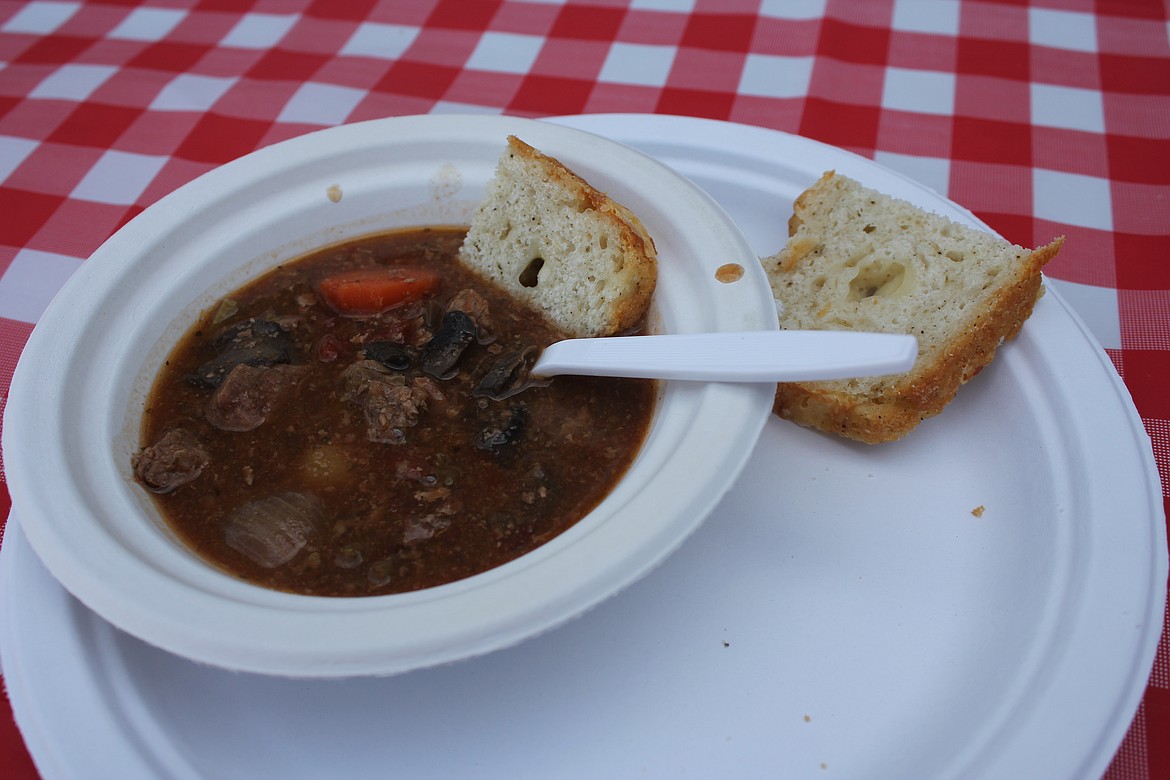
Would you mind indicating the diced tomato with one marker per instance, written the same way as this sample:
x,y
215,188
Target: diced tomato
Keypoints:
x,y
374,290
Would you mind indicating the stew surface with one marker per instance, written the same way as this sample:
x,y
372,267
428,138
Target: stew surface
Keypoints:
x,y
357,422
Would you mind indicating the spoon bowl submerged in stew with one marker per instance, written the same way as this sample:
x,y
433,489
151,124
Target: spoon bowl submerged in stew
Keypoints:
x,y
290,411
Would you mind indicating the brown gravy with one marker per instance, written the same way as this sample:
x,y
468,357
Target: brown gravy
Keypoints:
x,y
316,452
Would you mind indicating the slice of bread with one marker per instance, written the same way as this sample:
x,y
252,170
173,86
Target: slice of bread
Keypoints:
x,y
564,247
857,259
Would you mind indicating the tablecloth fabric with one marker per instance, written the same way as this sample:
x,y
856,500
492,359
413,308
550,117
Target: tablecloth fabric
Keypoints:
x,y
1044,118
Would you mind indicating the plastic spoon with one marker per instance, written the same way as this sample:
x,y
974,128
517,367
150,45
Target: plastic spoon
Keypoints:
x,y
754,356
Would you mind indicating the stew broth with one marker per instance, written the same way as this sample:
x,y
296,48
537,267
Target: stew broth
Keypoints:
x,y
319,449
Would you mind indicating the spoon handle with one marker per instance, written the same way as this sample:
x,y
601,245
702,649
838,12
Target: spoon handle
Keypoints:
x,y
754,356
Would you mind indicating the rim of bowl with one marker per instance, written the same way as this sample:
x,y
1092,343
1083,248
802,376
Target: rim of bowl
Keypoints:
x,y
77,395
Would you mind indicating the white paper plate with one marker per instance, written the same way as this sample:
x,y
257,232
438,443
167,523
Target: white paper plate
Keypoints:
x,y
842,613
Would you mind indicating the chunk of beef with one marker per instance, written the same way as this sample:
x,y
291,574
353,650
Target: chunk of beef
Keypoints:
x,y
390,402
175,459
249,393
476,307
272,530
253,342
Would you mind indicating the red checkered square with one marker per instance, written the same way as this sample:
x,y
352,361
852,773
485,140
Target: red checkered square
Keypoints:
x,y
259,100
548,95
407,77
377,105
53,169
593,23
1142,116
157,132
54,50
835,80
1145,324
408,12
1131,35
852,127
95,124
24,213
217,139
1145,376
1000,143
454,14
723,31
993,57
1137,160
526,18
1147,261
317,36
695,102
169,56
850,42
284,65
1134,75
994,23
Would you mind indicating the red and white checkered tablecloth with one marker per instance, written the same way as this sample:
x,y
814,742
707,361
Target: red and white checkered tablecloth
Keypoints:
x,y
1044,118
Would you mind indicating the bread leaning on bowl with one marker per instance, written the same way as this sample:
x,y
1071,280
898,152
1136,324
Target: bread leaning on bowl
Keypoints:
x,y
857,259
564,247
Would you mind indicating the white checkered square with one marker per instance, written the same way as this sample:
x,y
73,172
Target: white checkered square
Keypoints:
x,y
673,6
505,52
921,91
259,31
1096,306
31,281
934,172
772,76
637,63
1071,30
13,152
1072,199
40,18
148,24
793,9
1071,108
383,41
938,17
321,104
118,178
73,82
189,92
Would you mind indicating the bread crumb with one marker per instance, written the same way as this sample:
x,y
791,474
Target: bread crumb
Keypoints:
x,y
729,272
978,511
333,193
808,719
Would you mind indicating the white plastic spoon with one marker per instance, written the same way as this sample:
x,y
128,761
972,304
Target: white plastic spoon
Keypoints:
x,y
754,356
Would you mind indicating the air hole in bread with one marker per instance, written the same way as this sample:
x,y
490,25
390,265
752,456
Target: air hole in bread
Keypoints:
x,y
956,255
877,280
869,228
530,276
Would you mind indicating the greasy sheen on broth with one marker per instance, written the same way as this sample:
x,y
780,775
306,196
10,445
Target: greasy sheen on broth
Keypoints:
x,y
308,448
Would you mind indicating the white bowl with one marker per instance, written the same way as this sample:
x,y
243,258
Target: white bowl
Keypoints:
x,y
73,415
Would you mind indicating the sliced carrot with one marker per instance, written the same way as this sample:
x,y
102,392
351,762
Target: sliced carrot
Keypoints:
x,y
374,290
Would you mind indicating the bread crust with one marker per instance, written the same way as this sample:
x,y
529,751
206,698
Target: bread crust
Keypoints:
x,y
930,385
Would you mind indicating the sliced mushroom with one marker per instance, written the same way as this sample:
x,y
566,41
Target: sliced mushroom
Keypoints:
x,y
442,352
252,342
509,375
